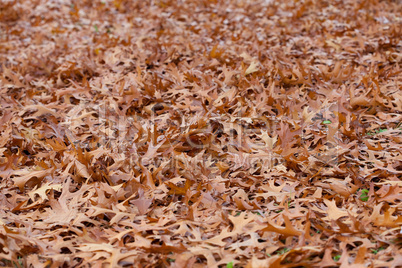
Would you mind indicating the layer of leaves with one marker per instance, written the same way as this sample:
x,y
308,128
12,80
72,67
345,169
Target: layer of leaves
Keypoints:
x,y
200,133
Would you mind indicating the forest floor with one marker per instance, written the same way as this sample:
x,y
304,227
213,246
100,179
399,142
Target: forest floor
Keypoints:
x,y
200,133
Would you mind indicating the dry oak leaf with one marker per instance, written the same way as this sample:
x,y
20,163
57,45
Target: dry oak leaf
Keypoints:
x,y
252,68
288,230
243,223
332,211
82,170
26,175
342,187
112,254
42,190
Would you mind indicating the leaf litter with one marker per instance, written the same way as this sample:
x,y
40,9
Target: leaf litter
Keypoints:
x,y
200,133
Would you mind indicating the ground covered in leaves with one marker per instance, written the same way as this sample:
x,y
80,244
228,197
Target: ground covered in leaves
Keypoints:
x,y
200,133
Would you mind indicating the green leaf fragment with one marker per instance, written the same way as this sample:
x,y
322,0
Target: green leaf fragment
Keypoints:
x,y
283,251
364,195
375,251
